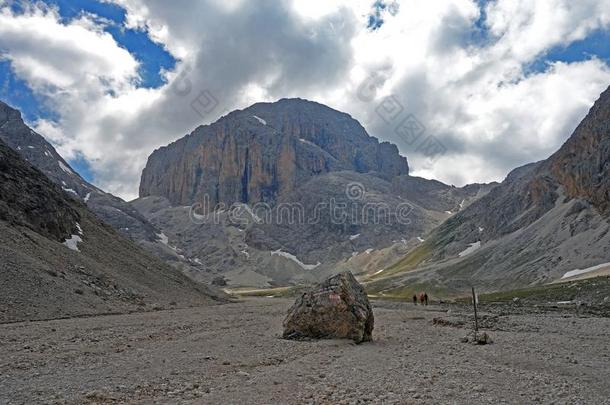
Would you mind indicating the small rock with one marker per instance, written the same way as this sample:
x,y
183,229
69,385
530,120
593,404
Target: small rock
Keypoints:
x,y
464,339
243,374
483,339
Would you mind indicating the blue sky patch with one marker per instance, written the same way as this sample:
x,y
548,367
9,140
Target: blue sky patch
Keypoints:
x,y
17,94
375,19
596,45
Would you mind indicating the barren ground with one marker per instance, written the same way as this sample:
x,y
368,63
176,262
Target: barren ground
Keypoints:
x,y
233,354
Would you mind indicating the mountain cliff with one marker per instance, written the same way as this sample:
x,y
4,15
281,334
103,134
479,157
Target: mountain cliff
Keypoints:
x,y
268,149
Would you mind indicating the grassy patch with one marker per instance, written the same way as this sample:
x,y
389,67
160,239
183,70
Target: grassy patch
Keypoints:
x,y
275,292
409,262
406,292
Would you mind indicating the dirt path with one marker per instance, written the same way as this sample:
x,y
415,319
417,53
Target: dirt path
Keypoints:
x,y
232,354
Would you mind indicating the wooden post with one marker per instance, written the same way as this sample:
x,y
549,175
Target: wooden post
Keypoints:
x,y
476,319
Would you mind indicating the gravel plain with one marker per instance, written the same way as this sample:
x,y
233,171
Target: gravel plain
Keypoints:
x,y
233,354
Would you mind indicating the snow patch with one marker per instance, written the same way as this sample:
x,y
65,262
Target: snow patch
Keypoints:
x,y
87,197
295,259
449,212
352,237
419,238
72,242
377,272
31,147
481,229
462,204
578,272
368,251
259,119
471,248
245,253
307,142
64,167
69,190
47,154
163,238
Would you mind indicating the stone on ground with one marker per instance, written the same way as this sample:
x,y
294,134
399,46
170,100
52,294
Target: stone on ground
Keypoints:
x,y
337,308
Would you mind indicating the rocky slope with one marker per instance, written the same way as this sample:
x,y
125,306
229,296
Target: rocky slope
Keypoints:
x,y
40,153
544,220
57,259
109,208
298,190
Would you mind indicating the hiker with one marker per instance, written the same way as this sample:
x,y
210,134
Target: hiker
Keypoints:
x,y
421,298
414,299
426,298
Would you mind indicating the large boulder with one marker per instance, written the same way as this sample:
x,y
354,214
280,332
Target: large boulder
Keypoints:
x,y
336,308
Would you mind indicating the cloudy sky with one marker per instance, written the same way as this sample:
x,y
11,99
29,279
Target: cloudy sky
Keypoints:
x,y
493,84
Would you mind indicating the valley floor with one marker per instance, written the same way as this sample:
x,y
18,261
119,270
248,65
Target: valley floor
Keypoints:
x,y
233,354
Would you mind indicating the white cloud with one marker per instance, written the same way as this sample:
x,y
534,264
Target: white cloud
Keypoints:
x,y
473,93
47,53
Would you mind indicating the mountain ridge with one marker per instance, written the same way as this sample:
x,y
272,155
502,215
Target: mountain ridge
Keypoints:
x,y
58,259
544,220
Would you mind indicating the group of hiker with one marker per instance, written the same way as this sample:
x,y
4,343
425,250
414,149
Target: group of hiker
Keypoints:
x,y
423,298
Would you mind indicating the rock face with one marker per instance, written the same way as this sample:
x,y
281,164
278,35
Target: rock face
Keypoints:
x,y
30,199
266,150
336,308
582,165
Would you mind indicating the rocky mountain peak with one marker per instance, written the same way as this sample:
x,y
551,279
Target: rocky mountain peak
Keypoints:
x,y
265,150
7,113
